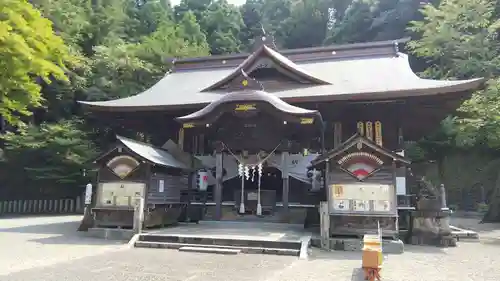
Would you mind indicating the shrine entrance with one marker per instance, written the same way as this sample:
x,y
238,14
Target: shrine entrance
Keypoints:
x,y
270,193
251,126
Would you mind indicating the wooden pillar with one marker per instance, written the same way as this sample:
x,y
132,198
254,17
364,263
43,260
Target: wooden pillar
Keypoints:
x,y
401,170
324,215
180,139
337,134
286,180
218,183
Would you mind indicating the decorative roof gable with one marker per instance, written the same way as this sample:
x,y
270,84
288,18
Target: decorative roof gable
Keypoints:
x,y
280,63
358,163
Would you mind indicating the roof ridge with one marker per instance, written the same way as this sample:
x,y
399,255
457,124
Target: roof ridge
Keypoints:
x,y
363,45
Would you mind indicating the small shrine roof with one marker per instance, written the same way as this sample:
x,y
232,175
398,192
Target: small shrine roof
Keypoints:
x,y
352,141
153,154
355,72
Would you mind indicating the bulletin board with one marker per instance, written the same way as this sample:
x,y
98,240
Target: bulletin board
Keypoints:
x,y
364,198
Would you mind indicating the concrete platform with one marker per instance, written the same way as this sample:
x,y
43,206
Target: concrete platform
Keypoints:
x,y
247,237
355,245
110,233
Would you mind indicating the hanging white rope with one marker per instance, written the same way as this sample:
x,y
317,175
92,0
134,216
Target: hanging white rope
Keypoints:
x,y
244,173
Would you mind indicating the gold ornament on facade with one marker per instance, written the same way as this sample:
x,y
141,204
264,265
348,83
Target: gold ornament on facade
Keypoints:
x,y
361,128
306,121
369,130
361,131
378,132
245,107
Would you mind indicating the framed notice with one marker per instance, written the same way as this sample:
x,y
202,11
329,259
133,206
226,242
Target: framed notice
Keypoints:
x,y
161,186
361,205
252,196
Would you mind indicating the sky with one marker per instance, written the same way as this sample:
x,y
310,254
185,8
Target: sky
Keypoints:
x,y
235,2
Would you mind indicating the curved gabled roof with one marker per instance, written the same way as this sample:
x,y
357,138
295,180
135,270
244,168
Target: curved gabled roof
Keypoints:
x,y
363,77
248,96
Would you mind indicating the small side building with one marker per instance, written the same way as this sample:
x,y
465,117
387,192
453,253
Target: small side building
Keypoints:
x,y
360,180
132,170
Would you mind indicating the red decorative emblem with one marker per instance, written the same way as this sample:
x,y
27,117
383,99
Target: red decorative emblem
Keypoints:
x,y
360,164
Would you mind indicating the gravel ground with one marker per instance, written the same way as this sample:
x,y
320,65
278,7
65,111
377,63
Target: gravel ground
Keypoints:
x,y
27,242
36,256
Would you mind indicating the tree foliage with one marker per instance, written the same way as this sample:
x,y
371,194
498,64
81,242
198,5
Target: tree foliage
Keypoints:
x,y
48,155
30,54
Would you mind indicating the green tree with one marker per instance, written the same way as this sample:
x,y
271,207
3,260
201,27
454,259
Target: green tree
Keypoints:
x,y
222,23
251,13
459,39
48,156
30,53
371,20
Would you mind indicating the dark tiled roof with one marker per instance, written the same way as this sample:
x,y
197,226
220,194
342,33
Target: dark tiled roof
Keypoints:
x,y
361,75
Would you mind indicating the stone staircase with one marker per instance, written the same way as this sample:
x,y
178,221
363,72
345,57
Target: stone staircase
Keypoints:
x,y
229,245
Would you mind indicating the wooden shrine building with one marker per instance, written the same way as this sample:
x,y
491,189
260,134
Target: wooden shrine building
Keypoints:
x,y
256,121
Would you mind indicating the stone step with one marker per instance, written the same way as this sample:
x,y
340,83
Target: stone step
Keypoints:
x,y
221,241
464,233
242,249
207,250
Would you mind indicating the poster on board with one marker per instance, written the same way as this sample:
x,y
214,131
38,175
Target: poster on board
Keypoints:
x,y
362,197
342,205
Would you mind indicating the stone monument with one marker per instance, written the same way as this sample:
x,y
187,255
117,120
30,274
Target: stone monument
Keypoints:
x,y
430,219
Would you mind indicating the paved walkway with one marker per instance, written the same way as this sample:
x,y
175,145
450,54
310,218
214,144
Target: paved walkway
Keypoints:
x,y
48,249
28,242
